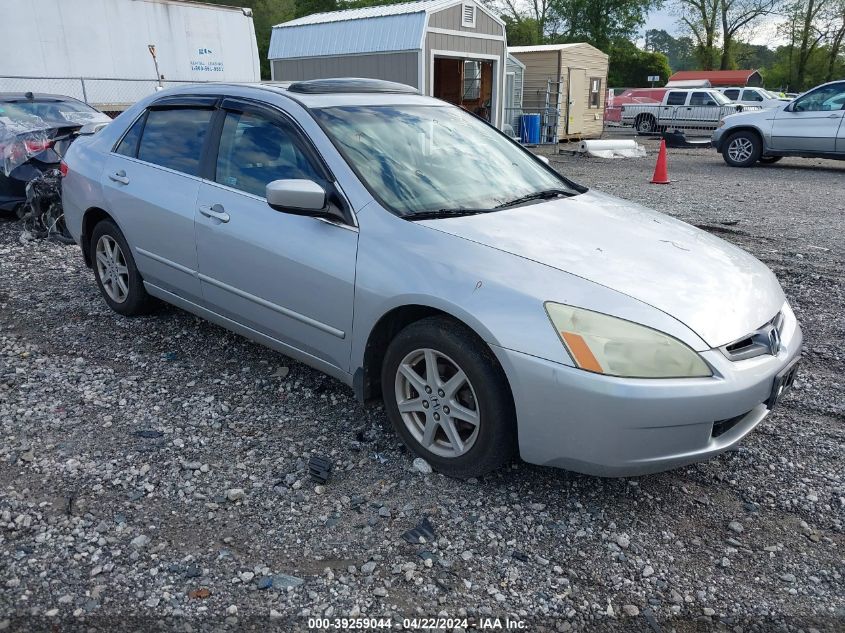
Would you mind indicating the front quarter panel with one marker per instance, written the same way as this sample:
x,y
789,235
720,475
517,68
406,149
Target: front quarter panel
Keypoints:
x,y
499,295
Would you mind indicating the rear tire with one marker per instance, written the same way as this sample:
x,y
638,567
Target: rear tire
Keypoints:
x,y
457,410
742,149
117,276
646,125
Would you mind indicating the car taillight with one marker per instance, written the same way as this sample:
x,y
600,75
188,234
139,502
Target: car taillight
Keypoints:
x,y
63,168
34,146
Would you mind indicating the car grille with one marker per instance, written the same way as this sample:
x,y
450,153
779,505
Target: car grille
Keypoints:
x,y
763,340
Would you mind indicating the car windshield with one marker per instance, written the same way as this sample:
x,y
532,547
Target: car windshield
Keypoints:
x,y
720,98
52,110
427,159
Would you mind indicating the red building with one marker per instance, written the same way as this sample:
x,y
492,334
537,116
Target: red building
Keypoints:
x,y
719,78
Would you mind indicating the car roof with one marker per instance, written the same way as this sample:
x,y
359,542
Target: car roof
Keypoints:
x,y
307,100
36,96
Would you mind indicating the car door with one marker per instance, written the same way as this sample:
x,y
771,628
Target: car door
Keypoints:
x,y
289,277
752,97
811,122
674,112
150,185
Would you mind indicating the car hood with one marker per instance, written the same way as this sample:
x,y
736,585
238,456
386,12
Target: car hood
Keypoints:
x,y
718,290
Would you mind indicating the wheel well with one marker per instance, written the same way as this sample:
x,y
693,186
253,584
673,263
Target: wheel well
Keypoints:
x,y
642,116
92,217
368,386
754,131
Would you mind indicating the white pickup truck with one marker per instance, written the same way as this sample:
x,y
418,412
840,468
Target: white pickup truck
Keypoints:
x,y
699,108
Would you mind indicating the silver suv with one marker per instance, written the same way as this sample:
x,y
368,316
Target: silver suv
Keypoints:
x,y
416,253
811,126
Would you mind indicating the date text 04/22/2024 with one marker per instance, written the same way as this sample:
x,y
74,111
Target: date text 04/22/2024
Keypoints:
x,y
421,624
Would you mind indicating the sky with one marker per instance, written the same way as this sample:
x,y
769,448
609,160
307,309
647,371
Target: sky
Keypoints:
x,y
763,33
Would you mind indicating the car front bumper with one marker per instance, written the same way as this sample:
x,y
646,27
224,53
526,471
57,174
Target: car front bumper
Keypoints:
x,y
616,427
716,139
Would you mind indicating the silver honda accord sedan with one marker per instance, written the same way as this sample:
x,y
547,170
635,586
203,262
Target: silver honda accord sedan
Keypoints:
x,y
414,252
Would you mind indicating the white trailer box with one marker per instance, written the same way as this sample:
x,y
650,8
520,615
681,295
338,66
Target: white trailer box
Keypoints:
x,y
97,50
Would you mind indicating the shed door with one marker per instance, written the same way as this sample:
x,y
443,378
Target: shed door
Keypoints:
x,y
577,101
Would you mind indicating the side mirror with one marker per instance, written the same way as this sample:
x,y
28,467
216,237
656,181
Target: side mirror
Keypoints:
x,y
301,197
543,159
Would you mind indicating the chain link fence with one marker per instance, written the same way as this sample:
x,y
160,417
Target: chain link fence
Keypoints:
x,y
110,95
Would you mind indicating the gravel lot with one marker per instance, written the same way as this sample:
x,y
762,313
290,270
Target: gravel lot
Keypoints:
x,y
153,470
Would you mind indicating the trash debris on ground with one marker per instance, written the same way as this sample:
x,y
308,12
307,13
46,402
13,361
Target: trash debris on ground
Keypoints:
x,y
320,468
612,148
423,530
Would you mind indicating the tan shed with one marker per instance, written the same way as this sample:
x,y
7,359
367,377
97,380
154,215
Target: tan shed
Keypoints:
x,y
570,79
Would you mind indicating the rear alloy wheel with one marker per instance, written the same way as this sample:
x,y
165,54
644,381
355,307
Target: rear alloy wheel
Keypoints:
x,y
742,149
114,269
448,398
646,125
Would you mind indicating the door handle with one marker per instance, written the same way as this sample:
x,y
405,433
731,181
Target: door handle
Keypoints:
x,y
120,176
215,211
832,116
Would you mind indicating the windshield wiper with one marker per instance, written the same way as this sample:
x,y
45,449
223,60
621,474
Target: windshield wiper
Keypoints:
x,y
445,213
546,194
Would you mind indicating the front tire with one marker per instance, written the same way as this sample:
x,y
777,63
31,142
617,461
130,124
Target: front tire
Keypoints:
x,y
742,149
448,398
117,276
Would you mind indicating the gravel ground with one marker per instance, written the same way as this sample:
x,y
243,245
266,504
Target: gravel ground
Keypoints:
x,y
153,470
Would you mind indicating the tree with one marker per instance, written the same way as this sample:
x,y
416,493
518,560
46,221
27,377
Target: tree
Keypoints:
x,y
521,31
680,51
736,16
701,18
631,67
806,32
601,22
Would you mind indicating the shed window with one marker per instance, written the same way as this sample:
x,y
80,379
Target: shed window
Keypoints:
x,y
468,15
595,92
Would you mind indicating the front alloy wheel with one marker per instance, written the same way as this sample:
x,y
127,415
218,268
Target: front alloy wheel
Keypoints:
x,y
448,398
742,149
437,403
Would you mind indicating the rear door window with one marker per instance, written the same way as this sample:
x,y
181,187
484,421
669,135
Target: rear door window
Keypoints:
x,y
128,146
732,94
175,138
676,98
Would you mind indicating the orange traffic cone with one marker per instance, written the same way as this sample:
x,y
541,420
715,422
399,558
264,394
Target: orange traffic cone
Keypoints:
x,y
661,171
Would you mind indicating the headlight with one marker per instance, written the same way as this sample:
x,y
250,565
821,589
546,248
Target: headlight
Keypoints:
x,y
607,345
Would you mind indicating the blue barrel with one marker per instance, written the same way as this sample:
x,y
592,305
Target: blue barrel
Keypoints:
x,y
530,128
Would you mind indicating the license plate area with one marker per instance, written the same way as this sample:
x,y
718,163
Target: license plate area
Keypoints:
x,y
783,383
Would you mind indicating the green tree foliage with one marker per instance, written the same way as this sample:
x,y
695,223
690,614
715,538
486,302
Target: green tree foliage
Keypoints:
x,y
522,31
680,51
631,67
600,22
